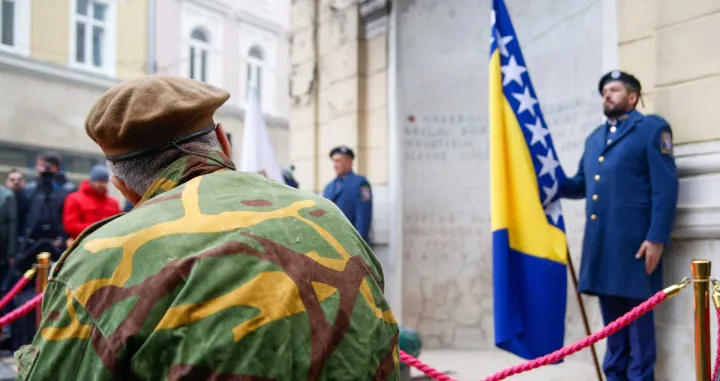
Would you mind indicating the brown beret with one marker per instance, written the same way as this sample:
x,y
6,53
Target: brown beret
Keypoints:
x,y
150,112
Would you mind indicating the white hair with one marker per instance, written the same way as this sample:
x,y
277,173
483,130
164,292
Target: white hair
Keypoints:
x,y
139,173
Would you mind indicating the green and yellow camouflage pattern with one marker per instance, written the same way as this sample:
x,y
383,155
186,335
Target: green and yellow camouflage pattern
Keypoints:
x,y
216,275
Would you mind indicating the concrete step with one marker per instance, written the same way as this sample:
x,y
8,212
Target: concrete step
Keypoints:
x,y
477,365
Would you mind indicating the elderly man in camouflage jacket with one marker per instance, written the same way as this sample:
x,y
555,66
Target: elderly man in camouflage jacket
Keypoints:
x,y
215,274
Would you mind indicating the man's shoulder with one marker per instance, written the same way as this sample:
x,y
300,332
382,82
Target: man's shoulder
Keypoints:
x,y
361,180
655,122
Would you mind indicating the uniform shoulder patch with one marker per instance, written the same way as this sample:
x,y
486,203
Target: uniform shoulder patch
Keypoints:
x,y
666,143
365,193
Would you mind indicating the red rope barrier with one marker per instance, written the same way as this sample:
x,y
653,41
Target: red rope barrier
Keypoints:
x,y
503,374
16,288
552,357
21,311
425,368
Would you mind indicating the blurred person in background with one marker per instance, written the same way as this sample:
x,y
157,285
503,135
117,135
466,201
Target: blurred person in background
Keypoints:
x,y
350,192
90,204
12,217
15,181
289,178
42,232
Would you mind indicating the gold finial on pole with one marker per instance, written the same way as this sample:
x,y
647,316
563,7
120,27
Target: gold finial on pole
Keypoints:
x,y
43,272
701,270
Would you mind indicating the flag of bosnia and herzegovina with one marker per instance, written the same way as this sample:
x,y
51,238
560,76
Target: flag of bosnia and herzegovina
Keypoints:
x,y
529,244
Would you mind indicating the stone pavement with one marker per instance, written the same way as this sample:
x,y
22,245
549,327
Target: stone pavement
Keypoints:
x,y
7,369
476,365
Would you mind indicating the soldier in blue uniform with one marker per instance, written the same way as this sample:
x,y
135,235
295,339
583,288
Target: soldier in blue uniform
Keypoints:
x,y
628,178
350,192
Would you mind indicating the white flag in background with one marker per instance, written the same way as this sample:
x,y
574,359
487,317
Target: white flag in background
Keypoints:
x,y
257,152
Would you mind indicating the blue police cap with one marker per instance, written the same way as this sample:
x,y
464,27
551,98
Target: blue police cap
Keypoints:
x,y
617,75
342,150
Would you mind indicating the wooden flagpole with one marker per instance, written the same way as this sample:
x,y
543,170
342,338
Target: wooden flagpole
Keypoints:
x,y
598,370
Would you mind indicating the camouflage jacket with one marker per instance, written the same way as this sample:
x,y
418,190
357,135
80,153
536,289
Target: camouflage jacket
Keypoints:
x,y
216,275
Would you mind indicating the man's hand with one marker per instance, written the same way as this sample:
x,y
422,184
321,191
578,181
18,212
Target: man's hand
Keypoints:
x,y
652,252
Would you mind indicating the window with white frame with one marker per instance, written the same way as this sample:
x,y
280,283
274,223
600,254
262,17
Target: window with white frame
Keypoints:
x,y
199,54
8,19
91,33
254,69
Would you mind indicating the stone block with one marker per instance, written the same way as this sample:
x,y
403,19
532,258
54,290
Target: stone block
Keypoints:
x,y
302,48
636,19
684,51
302,144
339,29
671,12
301,79
302,116
373,91
339,64
375,164
373,55
374,128
339,131
647,104
305,174
331,8
325,171
302,14
339,99
638,57
691,109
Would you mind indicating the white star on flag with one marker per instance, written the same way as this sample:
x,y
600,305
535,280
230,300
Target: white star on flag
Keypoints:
x,y
548,164
527,102
513,72
502,43
553,211
550,193
538,132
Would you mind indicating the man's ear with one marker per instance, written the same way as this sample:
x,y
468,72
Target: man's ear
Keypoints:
x,y
633,99
223,139
128,193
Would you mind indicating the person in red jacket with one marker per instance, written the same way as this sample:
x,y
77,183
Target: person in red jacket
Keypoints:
x,y
90,204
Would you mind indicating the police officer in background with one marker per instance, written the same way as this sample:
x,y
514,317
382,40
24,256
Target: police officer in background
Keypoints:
x,y
628,178
350,192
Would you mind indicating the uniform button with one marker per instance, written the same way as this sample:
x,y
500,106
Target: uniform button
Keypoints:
x,y
613,129
595,197
597,177
601,159
593,217
609,141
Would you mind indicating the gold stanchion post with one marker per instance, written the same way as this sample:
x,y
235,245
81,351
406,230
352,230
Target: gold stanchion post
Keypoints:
x,y
701,270
43,272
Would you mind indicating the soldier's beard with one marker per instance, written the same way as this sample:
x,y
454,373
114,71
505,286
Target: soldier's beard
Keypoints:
x,y
615,110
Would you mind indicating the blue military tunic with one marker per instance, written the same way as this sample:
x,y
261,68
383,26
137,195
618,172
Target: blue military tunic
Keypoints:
x,y
353,195
628,177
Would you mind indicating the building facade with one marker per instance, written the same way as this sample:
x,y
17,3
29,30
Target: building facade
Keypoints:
x,y
236,45
404,83
56,59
